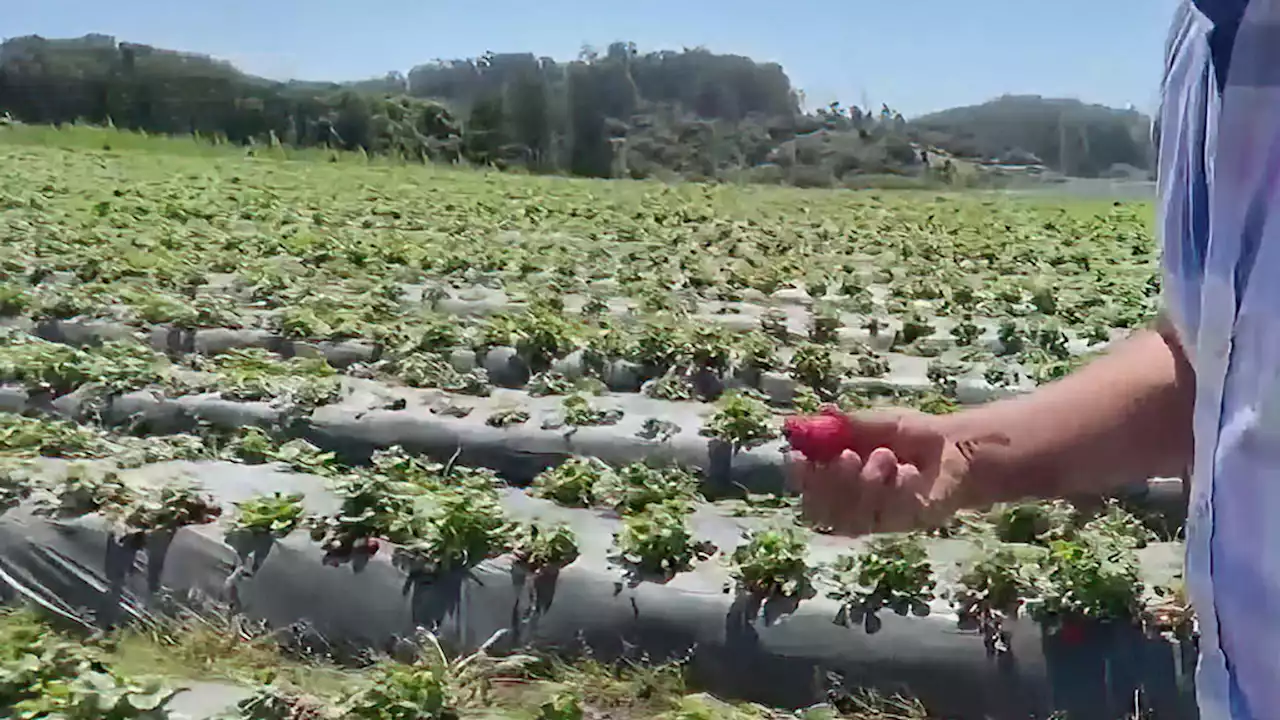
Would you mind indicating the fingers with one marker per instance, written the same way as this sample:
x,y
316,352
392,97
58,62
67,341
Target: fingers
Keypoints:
x,y
879,481
905,508
830,491
852,497
881,467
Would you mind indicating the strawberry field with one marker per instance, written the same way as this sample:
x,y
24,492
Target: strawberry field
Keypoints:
x,y
357,403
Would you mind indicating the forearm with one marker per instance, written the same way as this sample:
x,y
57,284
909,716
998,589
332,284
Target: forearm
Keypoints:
x,y
1121,419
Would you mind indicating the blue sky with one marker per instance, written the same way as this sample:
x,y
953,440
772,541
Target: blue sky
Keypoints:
x,y
916,55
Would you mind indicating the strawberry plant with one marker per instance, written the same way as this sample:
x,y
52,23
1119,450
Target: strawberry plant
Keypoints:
x,y
14,299
469,478
574,482
1120,525
657,429
656,343
318,320
1043,369
742,421
708,346
302,456
59,369
399,466
992,588
1044,299
673,385
416,474
403,692
542,335
169,507
760,505
1097,333
919,288
66,303
657,300
966,332
606,341
373,507
871,365
255,374
541,547
758,351
774,324
914,327
15,484
1012,337
633,488
430,370
873,326
276,514
1041,523
814,366
132,512
964,296
772,563
507,418
549,383
1050,338
84,491
853,400
1090,577
463,527
564,705
825,323
595,307
1000,375
579,412
658,540
817,285
51,438
945,376
805,401
434,333
475,383
270,702
254,446
424,370
935,403
892,572
1034,522
160,308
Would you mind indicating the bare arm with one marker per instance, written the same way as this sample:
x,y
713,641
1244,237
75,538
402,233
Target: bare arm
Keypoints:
x,y
1122,419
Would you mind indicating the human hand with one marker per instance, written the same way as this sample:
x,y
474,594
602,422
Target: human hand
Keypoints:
x,y
904,471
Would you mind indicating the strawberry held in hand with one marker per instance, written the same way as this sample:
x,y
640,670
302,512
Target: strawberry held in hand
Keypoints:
x,y
820,438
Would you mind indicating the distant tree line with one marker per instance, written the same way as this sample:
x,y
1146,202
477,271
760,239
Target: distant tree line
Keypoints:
x,y
94,79
616,113
1067,135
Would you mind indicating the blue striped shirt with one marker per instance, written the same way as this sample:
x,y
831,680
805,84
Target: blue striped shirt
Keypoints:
x,y
1218,137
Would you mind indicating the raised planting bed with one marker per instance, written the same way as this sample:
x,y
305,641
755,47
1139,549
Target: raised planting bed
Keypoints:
x,y
508,431
969,375
126,562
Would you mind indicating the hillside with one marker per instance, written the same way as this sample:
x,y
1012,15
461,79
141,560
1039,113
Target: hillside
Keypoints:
x,y
618,113
1068,135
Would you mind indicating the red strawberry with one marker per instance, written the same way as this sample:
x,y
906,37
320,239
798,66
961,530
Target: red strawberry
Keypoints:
x,y
1071,633
371,546
820,438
